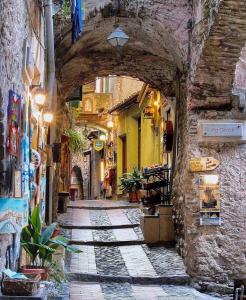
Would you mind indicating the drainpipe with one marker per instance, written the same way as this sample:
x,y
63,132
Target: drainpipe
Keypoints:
x,y
51,92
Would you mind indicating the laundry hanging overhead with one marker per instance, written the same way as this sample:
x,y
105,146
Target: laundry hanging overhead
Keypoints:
x,y
76,18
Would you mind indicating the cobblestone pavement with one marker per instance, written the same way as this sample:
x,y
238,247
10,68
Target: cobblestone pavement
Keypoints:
x,y
118,272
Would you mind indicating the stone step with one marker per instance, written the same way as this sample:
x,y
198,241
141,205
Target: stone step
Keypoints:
x,y
142,280
119,291
98,227
102,208
107,243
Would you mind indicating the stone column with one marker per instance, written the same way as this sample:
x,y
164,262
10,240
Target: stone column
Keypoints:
x,y
214,255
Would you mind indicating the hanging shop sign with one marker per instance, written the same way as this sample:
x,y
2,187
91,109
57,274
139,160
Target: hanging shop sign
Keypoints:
x,y
14,109
98,145
203,164
148,112
210,202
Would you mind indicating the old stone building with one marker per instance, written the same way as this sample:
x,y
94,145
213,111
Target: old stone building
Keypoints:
x,y
191,52
24,76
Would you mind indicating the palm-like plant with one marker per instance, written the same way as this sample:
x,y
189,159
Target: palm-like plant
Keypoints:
x,y
39,242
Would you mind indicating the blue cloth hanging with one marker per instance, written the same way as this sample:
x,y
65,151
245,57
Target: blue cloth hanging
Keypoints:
x,y
77,19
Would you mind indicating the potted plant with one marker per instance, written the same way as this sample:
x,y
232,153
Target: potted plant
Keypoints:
x,y
131,183
40,243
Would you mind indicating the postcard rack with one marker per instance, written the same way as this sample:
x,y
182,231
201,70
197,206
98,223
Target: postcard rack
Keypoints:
x,y
156,185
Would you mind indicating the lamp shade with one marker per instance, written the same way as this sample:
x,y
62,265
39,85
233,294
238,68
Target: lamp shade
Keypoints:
x,y
118,38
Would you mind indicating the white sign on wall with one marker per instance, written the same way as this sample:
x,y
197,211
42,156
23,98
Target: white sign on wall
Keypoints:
x,y
222,131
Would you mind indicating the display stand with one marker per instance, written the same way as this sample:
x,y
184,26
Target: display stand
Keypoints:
x,y
157,185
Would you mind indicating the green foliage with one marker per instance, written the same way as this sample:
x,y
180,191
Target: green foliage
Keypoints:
x,y
39,243
77,142
131,182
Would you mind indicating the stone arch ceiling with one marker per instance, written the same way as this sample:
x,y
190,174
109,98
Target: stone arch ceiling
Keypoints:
x,y
212,82
157,48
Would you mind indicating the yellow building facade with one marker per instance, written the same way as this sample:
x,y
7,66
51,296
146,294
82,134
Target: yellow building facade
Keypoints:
x,y
139,134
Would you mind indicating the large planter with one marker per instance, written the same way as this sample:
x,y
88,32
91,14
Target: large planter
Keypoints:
x,y
33,270
21,287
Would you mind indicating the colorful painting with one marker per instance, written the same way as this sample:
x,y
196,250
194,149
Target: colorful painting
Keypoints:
x,y
14,110
13,214
209,193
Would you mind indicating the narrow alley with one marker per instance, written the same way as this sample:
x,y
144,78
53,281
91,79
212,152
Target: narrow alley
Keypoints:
x,y
115,263
122,149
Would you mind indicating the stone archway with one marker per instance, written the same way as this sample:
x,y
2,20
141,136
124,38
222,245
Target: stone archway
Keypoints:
x,y
158,46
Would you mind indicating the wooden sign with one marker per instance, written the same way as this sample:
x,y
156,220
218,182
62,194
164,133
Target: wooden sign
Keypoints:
x,y
203,164
148,112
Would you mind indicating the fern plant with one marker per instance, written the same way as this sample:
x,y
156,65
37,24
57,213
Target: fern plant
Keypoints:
x,y
77,141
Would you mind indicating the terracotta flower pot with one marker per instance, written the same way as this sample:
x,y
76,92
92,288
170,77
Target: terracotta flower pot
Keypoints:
x,y
42,271
134,196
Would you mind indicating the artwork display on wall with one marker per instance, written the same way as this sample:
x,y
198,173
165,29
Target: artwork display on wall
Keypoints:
x,y
209,195
13,214
14,109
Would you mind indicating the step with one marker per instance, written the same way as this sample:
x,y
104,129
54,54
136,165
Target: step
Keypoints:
x,y
97,227
107,243
145,280
102,208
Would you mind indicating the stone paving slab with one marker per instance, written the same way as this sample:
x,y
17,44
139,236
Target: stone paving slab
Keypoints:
x,y
83,262
148,292
80,218
118,217
82,235
86,291
127,234
137,262
101,204
126,291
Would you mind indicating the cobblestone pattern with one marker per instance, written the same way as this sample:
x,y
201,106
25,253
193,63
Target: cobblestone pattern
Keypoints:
x,y
121,291
103,235
139,233
133,215
165,261
110,262
67,218
126,291
99,218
